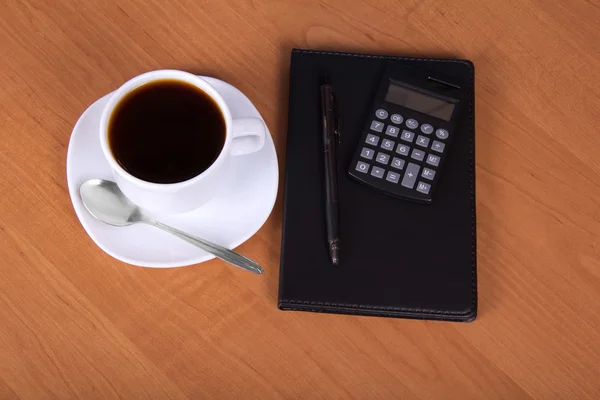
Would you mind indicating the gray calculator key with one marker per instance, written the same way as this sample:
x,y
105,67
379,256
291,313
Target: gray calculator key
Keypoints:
x,y
387,144
423,187
426,129
377,172
392,130
428,173
377,126
438,146
397,118
381,113
433,160
412,123
382,158
441,133
397,163
407,136
410,176
418,154
372,139
393,177
362,167
402,149
422,141
367,153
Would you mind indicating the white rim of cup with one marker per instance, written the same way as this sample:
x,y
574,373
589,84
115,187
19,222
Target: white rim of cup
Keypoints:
x,y
140,80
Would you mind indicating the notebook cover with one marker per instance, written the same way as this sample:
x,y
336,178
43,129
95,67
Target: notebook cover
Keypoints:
x,y
398,258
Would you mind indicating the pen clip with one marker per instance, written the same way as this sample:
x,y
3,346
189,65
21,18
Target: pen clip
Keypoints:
x,y
336,118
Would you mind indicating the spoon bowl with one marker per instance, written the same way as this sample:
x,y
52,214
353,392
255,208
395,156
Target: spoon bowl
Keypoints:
x,y
105,201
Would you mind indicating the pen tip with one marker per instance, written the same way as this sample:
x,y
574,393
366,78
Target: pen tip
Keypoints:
x,y
325,80
335,256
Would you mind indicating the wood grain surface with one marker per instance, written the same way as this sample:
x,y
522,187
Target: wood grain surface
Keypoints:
x,y
77,324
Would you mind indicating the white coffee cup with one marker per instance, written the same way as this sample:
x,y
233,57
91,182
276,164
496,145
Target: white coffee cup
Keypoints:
x,y
242,136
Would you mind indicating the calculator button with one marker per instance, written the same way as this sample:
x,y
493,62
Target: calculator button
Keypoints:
x,y
367,153
392,177
433,160
402,149
423,187
362,167
438,146
441,133
428,173
397,118
387,144
381,113
418,155
412,123
422,141
412,170
392,131
377,172
377,126
372,139
397,163
382,158
426,129
407,136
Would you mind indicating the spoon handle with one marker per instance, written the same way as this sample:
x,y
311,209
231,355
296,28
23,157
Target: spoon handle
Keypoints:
x,y
223,253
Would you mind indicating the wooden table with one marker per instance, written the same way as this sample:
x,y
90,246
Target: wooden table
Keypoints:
x,y
75,323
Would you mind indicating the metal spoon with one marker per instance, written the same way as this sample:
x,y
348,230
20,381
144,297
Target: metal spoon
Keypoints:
x,y
105,201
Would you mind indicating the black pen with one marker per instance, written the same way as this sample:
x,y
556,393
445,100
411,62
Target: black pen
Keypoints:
x,y
331,137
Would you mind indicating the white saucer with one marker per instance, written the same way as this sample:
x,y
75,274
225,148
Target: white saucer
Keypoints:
x,y
228,220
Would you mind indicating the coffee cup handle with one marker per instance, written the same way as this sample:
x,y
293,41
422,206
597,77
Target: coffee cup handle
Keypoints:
x,y
248,135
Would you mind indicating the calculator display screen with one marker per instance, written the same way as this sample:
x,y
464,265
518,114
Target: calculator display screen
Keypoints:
x,y
420,102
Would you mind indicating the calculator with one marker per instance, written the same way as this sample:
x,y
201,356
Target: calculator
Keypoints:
x,y
406,138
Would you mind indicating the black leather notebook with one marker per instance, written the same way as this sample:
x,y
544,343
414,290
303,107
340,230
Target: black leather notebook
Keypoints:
x,y
398,258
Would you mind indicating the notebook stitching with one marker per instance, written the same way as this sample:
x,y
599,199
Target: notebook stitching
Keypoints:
x,y
472,184
381,308
471,167
333,53
435,316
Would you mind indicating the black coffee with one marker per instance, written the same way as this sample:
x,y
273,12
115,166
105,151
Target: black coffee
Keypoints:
x,y
166,131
